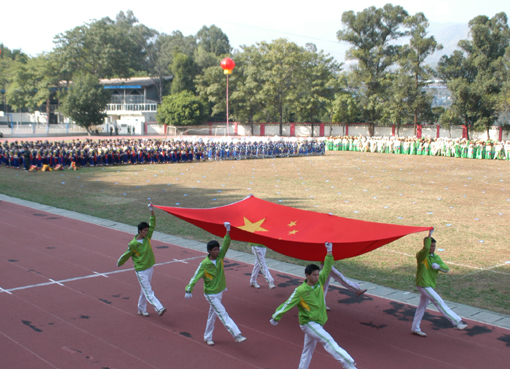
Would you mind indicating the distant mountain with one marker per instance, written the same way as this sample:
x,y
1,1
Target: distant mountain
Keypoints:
x,y
447,34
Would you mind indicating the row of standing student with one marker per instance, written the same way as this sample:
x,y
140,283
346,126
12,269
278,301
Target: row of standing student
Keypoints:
x,y
309,297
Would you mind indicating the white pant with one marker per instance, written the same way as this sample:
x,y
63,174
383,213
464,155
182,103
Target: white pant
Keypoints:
x,y
340,278
315,333
428,294
260,263
218,310
147,294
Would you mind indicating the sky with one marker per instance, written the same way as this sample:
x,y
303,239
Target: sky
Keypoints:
x,y
31,26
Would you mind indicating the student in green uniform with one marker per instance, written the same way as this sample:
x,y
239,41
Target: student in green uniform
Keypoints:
x,y
212,272
140,250
428,266
309,298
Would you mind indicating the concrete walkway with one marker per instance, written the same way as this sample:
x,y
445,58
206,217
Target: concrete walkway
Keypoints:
x,y
410,298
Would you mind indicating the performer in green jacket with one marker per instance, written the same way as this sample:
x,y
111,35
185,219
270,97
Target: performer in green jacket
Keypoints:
x,y
429,265
212,272
309,298
140,250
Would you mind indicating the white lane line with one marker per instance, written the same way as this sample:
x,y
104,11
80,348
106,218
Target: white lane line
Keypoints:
x,y
62,281
101,274
2,290
181,261
60,284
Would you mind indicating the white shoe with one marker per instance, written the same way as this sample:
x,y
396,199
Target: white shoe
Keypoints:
x,y
209,342
254,285
419,333
271,285
161,312
240,339
143,313
461,326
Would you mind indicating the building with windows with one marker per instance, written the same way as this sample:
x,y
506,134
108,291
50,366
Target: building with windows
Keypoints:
x,y
134,102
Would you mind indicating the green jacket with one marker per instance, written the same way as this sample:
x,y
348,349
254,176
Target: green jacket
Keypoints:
x,y
213,275
141,252
309,300
425,275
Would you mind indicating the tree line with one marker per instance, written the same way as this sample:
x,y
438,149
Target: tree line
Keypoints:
x,y
384,81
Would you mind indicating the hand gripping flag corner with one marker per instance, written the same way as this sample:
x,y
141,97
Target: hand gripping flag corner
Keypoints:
x,y
297,233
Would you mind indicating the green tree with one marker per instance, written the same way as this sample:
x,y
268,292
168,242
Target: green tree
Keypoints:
x,y
85,101
211,86
205,59
317,84
160,53
141,38
448,118
213,40
9,63
372,34
183,70
345,108
282,62
99,48
183,108
247,82
399,107
413,62
23,83
477,74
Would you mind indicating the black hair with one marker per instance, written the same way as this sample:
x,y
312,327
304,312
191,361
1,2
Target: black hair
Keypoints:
x,y
432,240
142,226
212,244
311,268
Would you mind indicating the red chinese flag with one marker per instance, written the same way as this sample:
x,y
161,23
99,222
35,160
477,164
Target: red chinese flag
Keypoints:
x,y
297,233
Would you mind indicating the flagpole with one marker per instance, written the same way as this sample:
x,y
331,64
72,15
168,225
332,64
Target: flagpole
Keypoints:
x,y
228,134
227,65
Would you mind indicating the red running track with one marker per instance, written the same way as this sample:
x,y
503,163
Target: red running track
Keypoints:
x,y
57,312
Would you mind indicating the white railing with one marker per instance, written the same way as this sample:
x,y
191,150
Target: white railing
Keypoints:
x,y
131,107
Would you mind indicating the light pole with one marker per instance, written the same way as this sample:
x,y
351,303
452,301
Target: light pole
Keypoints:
x,y
228,65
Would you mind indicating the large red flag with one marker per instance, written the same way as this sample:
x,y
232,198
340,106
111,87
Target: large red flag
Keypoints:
x,y
297,233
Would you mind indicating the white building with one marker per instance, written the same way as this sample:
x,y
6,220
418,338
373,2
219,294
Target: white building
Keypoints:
x,y
134,103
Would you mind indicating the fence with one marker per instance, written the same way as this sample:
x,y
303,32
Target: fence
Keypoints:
x,y
28,129
268,129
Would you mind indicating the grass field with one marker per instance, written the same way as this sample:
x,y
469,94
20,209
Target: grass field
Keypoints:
x,y
466,201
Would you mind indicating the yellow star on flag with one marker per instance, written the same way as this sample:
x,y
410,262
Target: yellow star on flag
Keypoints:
x,y
294,231
253,227
292,223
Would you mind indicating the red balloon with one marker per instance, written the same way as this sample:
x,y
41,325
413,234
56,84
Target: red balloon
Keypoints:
x,y
227,64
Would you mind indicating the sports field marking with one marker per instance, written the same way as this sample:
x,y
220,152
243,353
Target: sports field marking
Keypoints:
x,y
478,269
96,274
56,282
181,261
2,290
101,274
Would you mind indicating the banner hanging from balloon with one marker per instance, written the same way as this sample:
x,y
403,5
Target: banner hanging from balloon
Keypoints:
x,y
297,233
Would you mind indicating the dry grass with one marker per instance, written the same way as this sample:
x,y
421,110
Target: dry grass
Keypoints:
x,y
466,201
